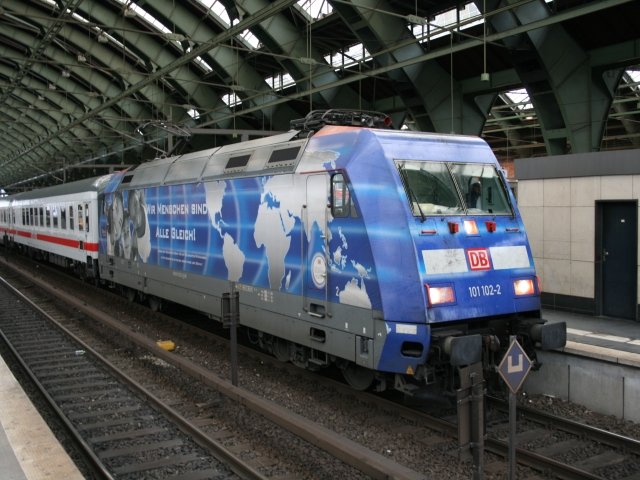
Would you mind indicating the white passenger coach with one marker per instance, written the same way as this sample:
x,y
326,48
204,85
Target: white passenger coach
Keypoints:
x,y
59,223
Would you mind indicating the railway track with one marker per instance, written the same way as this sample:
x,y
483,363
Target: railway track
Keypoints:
x,y
366,461
560,459
563,447
122,428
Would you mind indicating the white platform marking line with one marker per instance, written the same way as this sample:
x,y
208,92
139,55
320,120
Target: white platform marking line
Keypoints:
x,y
602,336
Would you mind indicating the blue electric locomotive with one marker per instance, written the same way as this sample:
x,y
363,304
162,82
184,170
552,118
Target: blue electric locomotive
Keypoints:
x,y
397,256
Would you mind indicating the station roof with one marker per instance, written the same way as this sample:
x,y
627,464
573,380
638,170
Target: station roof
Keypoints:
x,y
92,85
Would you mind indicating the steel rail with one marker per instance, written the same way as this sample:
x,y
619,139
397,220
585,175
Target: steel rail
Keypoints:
x,y
95,462
599,435
238,466
367,461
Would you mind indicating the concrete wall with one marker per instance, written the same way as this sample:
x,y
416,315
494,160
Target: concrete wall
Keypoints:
x,y
603,387
559,213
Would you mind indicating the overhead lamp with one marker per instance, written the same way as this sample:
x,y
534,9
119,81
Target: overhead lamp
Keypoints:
x,y
93,94
177,37
40,97
417,20
238,88
129,12
52,86
81,58
102,38
484,76
66,73
307,61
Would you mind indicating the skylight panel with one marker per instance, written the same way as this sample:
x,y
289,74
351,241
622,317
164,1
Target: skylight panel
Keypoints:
x,y
520,99
348,58
204,65
146,16
315,9
51,3
193,113
217,10
634,74
231,99
447,20
80,18
250,39
201,62
280,82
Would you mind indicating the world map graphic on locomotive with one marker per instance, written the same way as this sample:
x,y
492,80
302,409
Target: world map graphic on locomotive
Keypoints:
x,y
249,230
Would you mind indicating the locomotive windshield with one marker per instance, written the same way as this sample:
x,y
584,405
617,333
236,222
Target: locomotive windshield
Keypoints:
x,y
438,188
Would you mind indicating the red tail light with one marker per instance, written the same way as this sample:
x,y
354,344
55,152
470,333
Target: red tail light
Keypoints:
x,y
491,226
454,227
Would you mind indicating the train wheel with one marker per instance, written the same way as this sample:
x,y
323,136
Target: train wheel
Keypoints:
x,y
281,350
155,304
131,294
358,378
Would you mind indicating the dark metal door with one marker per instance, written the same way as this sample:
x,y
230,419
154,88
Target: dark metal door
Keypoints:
x,y
619,247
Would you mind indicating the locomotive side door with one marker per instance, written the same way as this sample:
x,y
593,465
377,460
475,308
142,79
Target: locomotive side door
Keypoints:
x,y
315,248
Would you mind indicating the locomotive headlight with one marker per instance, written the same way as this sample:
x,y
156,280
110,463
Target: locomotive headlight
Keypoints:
x,y
440,295
524,287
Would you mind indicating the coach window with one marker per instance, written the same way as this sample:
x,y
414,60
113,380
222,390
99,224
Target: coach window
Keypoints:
x,y
54,214
63,218
86,217
342,205
80,218
48,216
42,216
71,217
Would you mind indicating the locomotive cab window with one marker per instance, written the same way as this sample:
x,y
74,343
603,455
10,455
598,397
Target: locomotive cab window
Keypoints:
x,y
482,189
71,217
430,188
342,205
440,188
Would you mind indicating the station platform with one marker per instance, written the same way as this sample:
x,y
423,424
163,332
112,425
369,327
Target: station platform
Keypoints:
x,y
604,338
28,448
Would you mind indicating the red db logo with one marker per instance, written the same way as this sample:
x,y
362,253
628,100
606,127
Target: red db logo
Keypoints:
x,y
479,259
